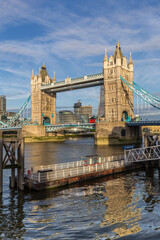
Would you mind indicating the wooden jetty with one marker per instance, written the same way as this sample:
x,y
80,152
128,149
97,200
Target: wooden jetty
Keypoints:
x,y
12,156
57,175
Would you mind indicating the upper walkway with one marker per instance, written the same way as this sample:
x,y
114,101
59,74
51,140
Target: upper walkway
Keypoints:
x,y
75,83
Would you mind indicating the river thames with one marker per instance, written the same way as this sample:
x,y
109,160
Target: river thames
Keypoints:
x,y
126,206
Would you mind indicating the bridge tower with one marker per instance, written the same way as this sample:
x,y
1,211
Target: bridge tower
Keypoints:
x,y
43,106
118,102
118,98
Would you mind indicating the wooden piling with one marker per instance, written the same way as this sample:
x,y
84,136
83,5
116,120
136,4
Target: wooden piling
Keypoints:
x,y
20,174
13,169
146,165
13,144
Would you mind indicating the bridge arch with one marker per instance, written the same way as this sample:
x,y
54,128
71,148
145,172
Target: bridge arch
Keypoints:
x,y
46,121
125,115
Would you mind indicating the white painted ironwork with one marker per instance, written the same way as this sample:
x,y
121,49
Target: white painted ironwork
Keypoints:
x,y
142,154
77,168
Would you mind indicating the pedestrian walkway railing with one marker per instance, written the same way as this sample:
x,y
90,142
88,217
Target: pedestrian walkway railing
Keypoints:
x,y
72,169
142,154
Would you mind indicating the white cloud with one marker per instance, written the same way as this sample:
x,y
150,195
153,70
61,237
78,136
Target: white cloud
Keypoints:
x,y
70,38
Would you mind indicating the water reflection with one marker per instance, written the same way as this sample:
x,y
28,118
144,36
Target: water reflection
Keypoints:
x,y
12,215
113,207
152,189
71,150
122,212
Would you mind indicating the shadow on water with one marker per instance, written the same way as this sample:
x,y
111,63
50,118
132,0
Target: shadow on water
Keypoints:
x,y
152,188
50,193
12,215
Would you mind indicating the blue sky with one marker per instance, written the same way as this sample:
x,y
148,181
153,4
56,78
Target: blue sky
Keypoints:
x,y
69,37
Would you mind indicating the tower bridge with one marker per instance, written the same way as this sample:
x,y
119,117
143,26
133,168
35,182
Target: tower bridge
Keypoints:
x,y
118,98
117,102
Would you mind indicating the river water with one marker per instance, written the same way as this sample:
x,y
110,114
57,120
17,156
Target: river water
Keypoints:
x,y
126,206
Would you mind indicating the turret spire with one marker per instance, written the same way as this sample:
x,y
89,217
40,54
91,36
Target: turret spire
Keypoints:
x,y
54,77
118,45
32,74
118,52
105,55
130,59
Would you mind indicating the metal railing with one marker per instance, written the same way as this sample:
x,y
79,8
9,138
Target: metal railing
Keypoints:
x,y
74,80
142,154
72,169
50,128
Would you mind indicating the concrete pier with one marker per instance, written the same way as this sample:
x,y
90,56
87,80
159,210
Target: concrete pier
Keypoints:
x,y
114,133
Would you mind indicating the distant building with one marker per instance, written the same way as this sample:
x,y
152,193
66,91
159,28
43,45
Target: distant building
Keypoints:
x,y
77,107
101,107
85,112
2,104
68,117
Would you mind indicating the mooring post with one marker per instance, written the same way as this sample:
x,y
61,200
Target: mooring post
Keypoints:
x,y
1,165
13,169
20,177
146,165
146,140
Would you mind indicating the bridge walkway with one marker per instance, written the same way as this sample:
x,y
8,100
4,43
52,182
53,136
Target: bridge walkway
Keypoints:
x,y
144,154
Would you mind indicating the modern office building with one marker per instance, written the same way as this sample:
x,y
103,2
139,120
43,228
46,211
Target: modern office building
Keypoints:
x,y
68,117
77,107
85,112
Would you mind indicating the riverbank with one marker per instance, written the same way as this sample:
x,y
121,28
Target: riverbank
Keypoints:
x,y
45,139
61,138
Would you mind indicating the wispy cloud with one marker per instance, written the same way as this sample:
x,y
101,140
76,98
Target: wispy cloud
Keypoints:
x,y
71,40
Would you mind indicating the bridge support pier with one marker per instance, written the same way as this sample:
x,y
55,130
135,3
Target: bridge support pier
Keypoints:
x,y
112,133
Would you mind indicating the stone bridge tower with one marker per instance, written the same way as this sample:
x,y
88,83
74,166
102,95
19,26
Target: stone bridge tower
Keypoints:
x,y
118,102
43,106
118,97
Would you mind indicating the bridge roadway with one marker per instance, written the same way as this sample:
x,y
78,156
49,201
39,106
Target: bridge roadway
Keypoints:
x,y
143,123
75,83
90,125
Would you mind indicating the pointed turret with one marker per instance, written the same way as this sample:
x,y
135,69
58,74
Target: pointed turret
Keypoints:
x,y
118,45
130,60
43,72
118,52
105,61
105,56
118,55
32,77
43,66
118,48
54,77
130,63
